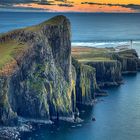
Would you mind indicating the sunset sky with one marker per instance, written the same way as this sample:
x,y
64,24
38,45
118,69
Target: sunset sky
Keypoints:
x,y
71,5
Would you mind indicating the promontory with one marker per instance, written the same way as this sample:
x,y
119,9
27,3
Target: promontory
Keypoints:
x,y
41,79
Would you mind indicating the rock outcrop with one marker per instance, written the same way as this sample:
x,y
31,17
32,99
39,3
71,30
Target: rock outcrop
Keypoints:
x,y
85,83
7,115
108,73
129,61
39,84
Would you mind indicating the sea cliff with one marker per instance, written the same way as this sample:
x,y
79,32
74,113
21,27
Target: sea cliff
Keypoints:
x,y
35,76
110,63
41,79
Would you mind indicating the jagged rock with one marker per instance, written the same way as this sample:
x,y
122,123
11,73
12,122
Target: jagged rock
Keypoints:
x,y
7,116
85,80
109,63
93,118
129,61
108,73
39,85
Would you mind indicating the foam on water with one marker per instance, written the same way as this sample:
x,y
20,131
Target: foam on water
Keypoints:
x,y
25,125
135,45
104,44
14,132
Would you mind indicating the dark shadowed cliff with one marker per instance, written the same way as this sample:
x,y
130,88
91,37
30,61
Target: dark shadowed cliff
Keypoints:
x,y
35,76
108,63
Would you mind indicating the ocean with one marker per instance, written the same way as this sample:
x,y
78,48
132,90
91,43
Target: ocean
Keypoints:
x,y
88,29
117,115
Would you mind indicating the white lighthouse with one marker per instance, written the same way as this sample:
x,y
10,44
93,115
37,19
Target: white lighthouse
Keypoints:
x,y
131,43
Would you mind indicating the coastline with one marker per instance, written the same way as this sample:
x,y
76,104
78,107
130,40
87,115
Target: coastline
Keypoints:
x,y
107,44
99,58
81,82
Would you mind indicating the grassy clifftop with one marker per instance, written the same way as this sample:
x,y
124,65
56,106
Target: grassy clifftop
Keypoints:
x,y
110,63
13,43
9,50
91,54
84,54
35,72
55,21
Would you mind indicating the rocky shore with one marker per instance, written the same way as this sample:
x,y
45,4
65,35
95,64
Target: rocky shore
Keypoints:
x,y
42,78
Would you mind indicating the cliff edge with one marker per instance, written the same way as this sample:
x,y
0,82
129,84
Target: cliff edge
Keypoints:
x,y
35,72
109,64
41,79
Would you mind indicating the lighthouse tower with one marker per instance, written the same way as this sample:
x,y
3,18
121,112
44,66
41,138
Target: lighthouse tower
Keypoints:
x,y
131,44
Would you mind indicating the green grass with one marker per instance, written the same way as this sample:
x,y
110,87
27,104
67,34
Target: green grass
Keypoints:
x,y
95,59
84,54
91,54
53,21
8,51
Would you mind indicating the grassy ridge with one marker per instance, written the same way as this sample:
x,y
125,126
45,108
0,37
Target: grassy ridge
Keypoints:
x,y
9,50
84,54
12,47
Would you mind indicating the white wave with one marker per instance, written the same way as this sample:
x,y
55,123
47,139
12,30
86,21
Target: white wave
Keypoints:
x,y
103,44
14,132
25,125
24,120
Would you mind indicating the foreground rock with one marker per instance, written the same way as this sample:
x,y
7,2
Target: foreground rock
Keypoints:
x,y
38,84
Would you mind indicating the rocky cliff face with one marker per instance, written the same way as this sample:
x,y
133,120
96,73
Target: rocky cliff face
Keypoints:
x,y
109,63
108,73
85,83
39,85
129,61
7,115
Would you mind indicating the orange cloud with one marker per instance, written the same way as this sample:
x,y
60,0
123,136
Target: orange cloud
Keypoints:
x,y
112,1
77,8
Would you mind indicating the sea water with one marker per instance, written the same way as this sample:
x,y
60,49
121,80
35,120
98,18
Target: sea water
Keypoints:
x,y
90,28
117,115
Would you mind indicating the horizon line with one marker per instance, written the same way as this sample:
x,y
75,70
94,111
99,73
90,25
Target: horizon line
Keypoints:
x,y
30,11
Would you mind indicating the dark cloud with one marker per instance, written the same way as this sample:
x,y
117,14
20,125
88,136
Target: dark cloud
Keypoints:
x,y
65,5
24,9
61,0
9,5
15,1
46,3
67,2
11,2
132,6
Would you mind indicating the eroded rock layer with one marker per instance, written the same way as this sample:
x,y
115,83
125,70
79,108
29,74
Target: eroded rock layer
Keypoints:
x,y
39,84
109,63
